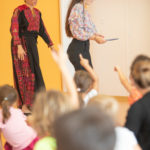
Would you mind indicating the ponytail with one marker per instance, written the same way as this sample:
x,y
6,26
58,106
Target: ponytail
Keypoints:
x,y
5,111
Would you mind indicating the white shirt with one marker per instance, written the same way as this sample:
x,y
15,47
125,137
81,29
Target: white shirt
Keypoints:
x,y
90,95
125,139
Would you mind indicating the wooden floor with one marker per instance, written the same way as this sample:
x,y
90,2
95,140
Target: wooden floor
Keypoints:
x,y
123,109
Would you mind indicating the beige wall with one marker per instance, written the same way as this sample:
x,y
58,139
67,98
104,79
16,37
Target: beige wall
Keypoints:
x,y
128,20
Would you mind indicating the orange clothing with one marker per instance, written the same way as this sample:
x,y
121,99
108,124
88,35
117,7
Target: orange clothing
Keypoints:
x,y
134,96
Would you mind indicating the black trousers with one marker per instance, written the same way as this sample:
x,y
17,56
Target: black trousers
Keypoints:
x,y
76,48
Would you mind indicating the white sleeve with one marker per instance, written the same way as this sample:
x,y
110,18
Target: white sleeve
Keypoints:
x,y
125,139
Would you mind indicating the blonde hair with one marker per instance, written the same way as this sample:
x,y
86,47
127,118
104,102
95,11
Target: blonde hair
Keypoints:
x,y
140,71
107,103
47,107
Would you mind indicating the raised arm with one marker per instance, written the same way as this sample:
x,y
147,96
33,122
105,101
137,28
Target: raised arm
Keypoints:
x,y
60,58
84,62
124,81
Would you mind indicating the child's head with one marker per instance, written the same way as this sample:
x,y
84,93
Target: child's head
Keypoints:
x,y
140,71
8,96
47,107
83,81
107,103
85,129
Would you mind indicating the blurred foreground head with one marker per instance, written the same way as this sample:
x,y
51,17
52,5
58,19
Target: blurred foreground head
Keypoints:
x,y
85,129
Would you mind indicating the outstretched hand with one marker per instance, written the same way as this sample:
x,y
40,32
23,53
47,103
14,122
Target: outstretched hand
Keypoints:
x,y
59,56
52,48
100,39
83,61
116,68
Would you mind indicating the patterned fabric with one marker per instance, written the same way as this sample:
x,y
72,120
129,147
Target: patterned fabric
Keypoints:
x,y
26,25
15,28
34,22
81,25
25,78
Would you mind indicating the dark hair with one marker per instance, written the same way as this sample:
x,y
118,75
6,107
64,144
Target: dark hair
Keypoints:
x,y
83,83
85,129
140,71
83,80
8,95
67,26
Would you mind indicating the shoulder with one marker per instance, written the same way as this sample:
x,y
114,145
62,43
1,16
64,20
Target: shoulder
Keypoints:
x,y
21,7
125,137
17,112
136,111
77,7
37,10
124,131
137,105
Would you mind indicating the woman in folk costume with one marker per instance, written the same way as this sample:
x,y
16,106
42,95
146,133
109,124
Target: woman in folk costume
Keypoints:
x,y
26,25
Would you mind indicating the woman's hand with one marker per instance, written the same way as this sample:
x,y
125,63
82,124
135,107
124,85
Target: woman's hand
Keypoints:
x,y
100,39
60,56
52,48
21,52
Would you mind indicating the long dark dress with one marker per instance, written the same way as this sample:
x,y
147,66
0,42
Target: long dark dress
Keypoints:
x,y
25,28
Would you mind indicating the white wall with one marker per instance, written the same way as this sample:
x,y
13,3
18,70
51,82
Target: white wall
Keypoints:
x,y
64,4
128,20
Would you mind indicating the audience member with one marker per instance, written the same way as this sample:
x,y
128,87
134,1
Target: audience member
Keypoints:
x,y
134,93
125,139
18,135
85,129
138,118
51,104
86,82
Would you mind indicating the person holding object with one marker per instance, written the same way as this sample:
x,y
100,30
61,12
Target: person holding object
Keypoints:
x,y
26,25
80,27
